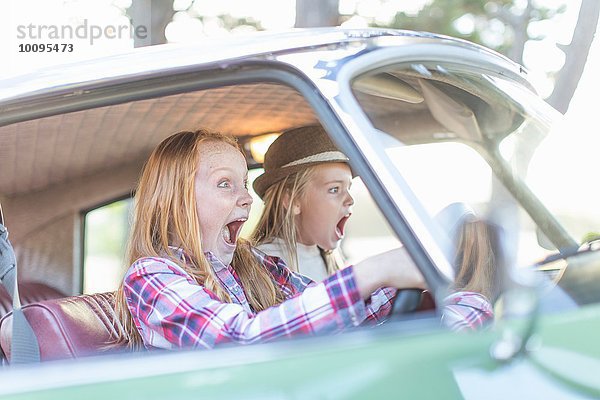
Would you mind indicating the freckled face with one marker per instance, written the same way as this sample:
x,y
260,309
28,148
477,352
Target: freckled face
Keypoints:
x,y
222,198
325,207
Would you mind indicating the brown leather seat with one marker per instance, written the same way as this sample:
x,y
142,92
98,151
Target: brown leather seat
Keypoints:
x,y
69,327
29,292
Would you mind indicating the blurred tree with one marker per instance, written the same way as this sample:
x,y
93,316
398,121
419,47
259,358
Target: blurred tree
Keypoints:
x,y
498,24
315,13
576,54
154,15
231,23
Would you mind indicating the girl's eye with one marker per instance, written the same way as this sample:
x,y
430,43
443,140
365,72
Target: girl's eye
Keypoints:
x,y
334,190
224,184
246,185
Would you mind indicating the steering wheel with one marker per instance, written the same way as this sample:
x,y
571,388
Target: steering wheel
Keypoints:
x,y
407,301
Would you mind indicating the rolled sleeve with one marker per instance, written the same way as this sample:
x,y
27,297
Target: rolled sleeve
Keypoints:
x,y
379,305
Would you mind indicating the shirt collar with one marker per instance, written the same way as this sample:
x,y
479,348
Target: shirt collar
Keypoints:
x,y
216,264
311,250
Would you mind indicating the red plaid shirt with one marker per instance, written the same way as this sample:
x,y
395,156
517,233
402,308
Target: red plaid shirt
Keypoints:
x,y
464,311
171,310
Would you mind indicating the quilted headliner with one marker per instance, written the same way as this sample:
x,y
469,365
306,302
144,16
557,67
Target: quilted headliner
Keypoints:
x,y
44,152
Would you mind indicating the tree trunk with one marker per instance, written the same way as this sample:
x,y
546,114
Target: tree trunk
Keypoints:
x,y
576,54
149,19
315,13
519,24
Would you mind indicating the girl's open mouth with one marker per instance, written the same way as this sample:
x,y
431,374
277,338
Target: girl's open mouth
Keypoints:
x,y
339,228
232,230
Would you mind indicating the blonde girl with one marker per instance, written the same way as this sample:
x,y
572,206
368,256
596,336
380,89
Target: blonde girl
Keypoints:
x,y
193,283
305,188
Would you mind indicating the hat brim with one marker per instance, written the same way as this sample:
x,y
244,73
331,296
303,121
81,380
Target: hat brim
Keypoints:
x,y
267,179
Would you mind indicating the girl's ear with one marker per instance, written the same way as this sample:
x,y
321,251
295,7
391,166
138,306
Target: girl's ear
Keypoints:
x,y
296,208
285,199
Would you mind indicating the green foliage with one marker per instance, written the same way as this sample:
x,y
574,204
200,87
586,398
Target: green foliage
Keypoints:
x,y
492,23
107,229
590,237
230,23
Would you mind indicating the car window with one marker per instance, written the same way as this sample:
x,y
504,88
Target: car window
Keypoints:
x,y
257,204
105,237
444,173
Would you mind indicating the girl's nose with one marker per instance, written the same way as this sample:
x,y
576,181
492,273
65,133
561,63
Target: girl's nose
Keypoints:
x,y
349,199
245,200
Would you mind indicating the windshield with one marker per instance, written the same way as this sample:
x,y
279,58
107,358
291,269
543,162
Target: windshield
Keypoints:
x,y
472,146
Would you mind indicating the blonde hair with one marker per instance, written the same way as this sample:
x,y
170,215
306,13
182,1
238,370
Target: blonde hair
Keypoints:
x,y
476,260
165,214
278,221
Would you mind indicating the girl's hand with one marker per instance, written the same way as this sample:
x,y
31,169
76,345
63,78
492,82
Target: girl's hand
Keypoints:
x,y
393,268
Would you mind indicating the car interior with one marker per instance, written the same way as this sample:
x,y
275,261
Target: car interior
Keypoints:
x,y
57,168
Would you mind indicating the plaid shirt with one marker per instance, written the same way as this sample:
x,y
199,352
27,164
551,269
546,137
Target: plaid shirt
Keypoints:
x,y
171,310
466,311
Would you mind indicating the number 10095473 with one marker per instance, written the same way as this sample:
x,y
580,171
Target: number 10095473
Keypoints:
x,y
45,48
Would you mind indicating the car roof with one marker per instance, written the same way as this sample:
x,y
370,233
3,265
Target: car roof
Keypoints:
x,y
161,58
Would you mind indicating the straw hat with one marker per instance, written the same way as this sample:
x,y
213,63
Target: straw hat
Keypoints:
x,y
293,151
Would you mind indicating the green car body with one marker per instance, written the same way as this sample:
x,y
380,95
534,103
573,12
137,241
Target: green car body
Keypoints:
x,y
366,364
